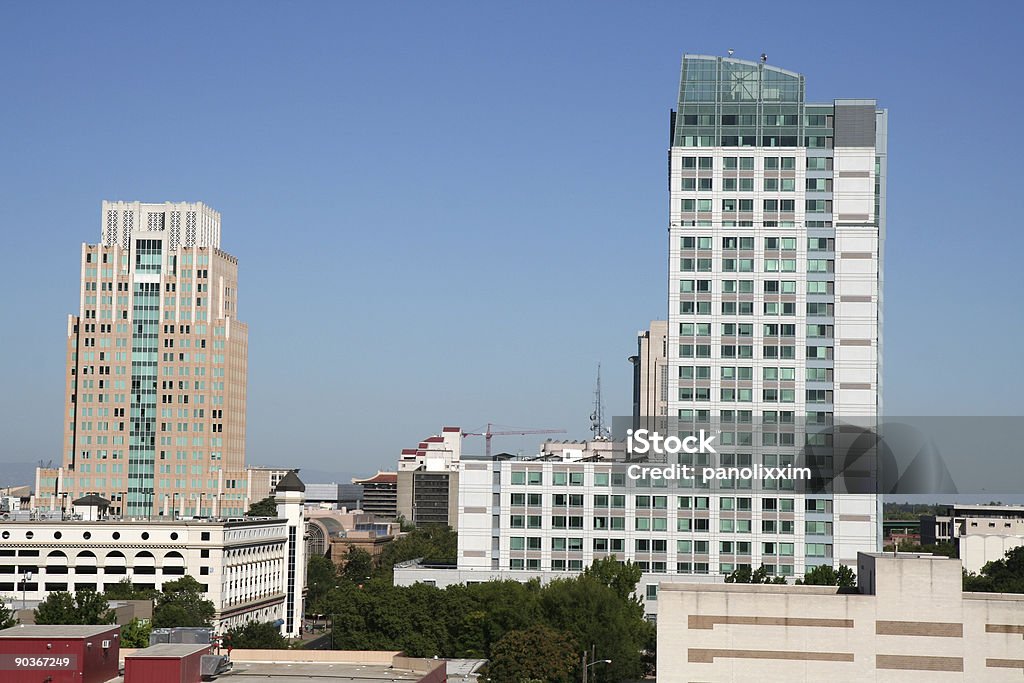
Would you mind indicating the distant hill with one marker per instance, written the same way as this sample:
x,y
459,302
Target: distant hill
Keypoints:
x,y
24,474
18,474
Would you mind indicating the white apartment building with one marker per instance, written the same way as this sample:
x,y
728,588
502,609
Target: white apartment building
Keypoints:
x,y
253,568
777,220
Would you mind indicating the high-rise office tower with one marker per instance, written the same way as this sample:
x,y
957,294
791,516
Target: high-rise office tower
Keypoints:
x,y
777,220
156,368
650,366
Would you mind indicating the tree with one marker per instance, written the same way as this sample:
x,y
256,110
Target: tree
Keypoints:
x,y
358,565
256,635
136,633
621,577
436,543
1000,576
264,508
596,616
825,575
321,577
84,607
181,603
744,574
7,617
537,653
126,590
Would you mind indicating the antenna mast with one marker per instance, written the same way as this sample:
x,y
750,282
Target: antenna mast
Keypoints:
x,y
597,428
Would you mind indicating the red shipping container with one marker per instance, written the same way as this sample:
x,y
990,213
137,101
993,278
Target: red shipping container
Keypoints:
x,y
166,663
61,654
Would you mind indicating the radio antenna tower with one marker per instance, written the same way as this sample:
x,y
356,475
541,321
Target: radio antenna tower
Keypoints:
x,y
597,428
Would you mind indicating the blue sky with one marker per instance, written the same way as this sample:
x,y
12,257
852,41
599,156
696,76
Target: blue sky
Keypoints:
x,y
449,213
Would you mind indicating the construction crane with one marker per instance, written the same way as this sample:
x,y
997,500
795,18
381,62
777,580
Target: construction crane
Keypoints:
x,y
487,434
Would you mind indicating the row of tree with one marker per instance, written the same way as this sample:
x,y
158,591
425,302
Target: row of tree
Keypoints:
x,y
178,603
526,630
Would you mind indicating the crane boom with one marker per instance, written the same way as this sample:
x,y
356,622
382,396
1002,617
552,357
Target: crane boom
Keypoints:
x,y
488,433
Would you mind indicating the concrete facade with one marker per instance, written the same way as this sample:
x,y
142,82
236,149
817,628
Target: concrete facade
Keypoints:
x,y
244,564
155,368
908,620
776,228
650,371
428,480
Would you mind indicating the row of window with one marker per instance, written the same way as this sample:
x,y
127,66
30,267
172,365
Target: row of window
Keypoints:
x,y
772,163
706,184
811,120
747,395
746,352
747,330
660,545
750,140
654,502
747,205
693,525
746,265
773,308
771,374
730,243
747,223
747,286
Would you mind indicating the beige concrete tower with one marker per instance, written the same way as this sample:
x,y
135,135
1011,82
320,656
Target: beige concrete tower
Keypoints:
x,y
156,369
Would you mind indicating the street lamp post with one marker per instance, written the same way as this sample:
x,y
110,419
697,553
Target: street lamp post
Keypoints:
x,y
25,578
586,666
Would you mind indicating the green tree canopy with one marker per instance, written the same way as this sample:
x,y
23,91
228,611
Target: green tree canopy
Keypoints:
x,y
321,577
358,565
263,508
7,617
256,635
431,543
136,633
760,575
1000,576
181,603
537,653
825,575
126,590
84,607
598,608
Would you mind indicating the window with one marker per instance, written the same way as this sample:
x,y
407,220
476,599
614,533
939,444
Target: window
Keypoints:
x,y
518,478
704,163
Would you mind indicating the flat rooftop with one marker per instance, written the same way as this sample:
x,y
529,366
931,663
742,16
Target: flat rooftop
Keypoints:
x,y
54,631
170,650
302,672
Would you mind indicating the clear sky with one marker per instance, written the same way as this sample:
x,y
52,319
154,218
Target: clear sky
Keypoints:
x,y
449,213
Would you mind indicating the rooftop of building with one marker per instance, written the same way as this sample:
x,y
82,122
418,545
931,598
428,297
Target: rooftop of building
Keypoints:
x,y
290,482
170,650
379,478
300,666
30,518
54,631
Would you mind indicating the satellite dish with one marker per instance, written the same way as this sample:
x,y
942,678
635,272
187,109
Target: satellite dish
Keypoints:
x,y
731,51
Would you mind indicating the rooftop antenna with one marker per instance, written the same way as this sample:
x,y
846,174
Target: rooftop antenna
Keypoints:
x,y
764,57
731,51
597,427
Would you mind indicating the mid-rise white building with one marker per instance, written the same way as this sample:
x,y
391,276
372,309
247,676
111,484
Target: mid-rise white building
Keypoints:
x,y
253,569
